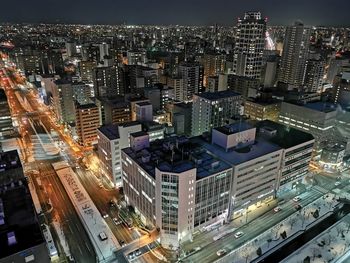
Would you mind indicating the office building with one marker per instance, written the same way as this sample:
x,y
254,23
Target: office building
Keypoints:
x,y
317,118
249,46
21,238
262,109
111,140
297,151
172,184
214,109
210,181
294,55
87,122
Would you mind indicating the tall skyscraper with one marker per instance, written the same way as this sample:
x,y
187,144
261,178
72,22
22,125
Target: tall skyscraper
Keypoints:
x,y
294,55
250,43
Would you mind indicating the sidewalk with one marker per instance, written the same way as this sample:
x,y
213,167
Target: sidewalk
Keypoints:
x,y
253,214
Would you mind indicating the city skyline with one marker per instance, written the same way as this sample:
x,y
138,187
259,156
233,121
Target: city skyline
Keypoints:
x,y
182,13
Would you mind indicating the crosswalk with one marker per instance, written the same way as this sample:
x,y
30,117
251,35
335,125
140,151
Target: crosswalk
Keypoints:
x,y
320,189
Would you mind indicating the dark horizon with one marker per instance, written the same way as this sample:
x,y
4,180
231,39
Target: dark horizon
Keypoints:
x,y
194,13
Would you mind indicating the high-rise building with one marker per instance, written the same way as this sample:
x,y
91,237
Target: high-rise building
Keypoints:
x,y
82,92
63,101
71,49
294,55
213,64
159,95
86,71
177,84
87,122
192,80
111,140
144,111
104,50
249,47
217,83
116,110
214,109
108,81
243,85
314,73
341,89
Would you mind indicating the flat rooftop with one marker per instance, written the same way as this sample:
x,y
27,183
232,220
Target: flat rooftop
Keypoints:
x,y
110,131
187,155
218,95
17,215
321,106
86,106
238,156
285,137
235,127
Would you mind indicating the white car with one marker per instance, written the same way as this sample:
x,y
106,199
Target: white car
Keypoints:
x,y
337,183
221,252
239,234
277,209
137,252
296,199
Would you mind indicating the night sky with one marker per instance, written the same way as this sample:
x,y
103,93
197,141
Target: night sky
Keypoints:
x,y
182,12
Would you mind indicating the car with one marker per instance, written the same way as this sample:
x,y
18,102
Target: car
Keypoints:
x,y
221,252
239,234
131,256
137,252
116,220
112,203
104,214
297,207
197,248
277,209
296,199
122,242
337,183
